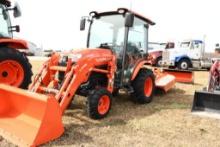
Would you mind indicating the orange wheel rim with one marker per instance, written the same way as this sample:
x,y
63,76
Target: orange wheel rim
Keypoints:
x,y
104,104
11,72
148,87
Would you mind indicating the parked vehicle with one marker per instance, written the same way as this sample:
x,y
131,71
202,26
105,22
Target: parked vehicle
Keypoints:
x,y
207,102
155,55
189,54
109,63
15,69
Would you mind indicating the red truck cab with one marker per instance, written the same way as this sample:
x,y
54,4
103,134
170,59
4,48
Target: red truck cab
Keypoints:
x,y
155,54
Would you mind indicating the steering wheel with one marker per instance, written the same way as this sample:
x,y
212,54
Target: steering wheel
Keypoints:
x,y
111,46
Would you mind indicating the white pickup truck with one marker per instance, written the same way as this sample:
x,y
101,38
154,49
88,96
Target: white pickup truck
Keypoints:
x,y
188,54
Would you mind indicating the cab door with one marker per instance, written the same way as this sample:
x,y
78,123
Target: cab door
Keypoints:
x,y
195,50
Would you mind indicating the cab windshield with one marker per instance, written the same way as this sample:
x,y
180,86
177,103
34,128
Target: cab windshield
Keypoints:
x,y
184,44
109,31
4,23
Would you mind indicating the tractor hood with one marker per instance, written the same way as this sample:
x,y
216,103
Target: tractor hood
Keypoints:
x,y
91,52
87,54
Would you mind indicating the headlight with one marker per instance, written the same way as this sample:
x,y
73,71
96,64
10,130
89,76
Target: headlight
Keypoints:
x,y
150,57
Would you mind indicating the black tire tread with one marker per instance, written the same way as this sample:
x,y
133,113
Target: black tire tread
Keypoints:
x,y
93,100
138,86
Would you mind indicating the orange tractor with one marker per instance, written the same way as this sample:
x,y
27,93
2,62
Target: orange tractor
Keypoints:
x,y
15,68
111,62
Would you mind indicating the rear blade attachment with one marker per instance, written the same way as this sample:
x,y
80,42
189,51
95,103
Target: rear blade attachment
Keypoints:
x,y
164,81
27,118
206,104
182,76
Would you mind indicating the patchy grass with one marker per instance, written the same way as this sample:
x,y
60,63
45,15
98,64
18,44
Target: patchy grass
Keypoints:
x,y
166,121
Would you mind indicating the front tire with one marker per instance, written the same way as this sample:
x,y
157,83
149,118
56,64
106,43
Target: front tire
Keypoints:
x,y
99,103
159,62
144,86
183,64
15,68
115,92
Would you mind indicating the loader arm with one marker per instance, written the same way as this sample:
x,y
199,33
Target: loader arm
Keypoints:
x,y
80,76
77,74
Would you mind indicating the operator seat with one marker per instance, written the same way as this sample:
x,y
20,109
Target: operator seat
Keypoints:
x,y
106,46
133,51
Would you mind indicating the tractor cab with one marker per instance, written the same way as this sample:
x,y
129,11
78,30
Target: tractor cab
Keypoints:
x,y
5,24
123,32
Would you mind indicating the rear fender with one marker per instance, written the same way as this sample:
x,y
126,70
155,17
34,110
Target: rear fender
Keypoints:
x,y
14,43
137,67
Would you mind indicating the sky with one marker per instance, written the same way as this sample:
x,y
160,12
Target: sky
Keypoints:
x,y
55,24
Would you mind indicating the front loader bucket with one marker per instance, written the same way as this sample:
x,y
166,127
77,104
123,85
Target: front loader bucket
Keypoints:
x,y
183,76
206,104
27,118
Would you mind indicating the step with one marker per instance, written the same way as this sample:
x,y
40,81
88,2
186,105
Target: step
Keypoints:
x,y
49,90
58,68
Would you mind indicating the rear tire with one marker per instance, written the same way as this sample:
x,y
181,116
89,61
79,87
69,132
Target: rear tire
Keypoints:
x,y
144,86
99,103
15,68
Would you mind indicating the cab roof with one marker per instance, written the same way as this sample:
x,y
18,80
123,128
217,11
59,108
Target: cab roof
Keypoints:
x,y
122,11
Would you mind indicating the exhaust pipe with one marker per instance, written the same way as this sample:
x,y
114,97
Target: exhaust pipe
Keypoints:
x,y
27,118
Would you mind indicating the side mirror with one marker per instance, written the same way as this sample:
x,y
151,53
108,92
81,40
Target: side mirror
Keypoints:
x,y
82,24
129,19
17,10
15,28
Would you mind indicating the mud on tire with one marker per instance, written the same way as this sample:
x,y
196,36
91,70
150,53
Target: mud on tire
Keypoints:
x,y
144,86
99,103
15,68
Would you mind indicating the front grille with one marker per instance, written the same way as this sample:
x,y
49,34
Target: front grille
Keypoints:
x,y
166,57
